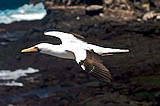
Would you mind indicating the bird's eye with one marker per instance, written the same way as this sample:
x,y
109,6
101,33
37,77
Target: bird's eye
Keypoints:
x,y
38,49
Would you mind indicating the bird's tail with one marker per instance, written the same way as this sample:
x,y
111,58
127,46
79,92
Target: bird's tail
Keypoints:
x,y
111,51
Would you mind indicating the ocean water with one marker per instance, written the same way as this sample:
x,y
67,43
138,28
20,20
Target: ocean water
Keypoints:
x,y
12,4
26,12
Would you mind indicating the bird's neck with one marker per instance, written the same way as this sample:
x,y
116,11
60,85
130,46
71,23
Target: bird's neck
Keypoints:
x,y
52,49
58,51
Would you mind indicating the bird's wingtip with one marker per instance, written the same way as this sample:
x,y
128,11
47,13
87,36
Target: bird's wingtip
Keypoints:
x,y
46,32
51,32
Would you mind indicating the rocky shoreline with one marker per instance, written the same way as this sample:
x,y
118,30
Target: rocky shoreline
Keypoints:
x,y
136,74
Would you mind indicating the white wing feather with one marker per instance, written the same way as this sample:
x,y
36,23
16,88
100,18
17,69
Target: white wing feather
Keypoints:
x,y
65,37
69,39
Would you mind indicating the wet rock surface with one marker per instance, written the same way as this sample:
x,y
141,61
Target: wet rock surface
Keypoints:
x,y
61,82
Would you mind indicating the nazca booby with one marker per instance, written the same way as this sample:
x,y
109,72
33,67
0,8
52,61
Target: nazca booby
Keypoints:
x,y
74,47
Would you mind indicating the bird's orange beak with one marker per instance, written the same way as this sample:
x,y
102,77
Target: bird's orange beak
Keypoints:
x,y
31,49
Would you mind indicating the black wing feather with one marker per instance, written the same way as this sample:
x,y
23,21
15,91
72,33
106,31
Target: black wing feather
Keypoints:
x,y
94,66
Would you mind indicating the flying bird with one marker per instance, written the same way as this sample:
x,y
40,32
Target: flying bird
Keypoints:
x,y
74,46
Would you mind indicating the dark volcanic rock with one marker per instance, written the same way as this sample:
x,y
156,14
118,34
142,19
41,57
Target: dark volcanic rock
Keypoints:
x,y
75,2
156,3
135,74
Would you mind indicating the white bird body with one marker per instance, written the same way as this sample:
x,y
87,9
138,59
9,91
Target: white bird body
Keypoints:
x,y
70,40
74,47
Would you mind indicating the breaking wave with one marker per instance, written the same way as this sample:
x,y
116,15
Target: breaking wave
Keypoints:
x,y
8,77
26,12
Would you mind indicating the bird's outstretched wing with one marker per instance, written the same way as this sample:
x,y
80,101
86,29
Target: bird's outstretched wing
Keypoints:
x,y
93,65
66,37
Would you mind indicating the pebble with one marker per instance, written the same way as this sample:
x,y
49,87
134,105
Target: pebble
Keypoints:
x,y
94,9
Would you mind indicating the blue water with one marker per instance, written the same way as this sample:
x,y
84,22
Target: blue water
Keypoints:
x,y
12,4
25,12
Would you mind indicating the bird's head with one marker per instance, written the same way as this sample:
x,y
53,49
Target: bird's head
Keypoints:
x,y
42,47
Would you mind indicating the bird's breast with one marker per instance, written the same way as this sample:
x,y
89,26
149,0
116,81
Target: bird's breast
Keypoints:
x,y
62,54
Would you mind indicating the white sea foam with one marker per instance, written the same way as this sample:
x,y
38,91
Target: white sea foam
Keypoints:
x,y
26,12
12,76
11,83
